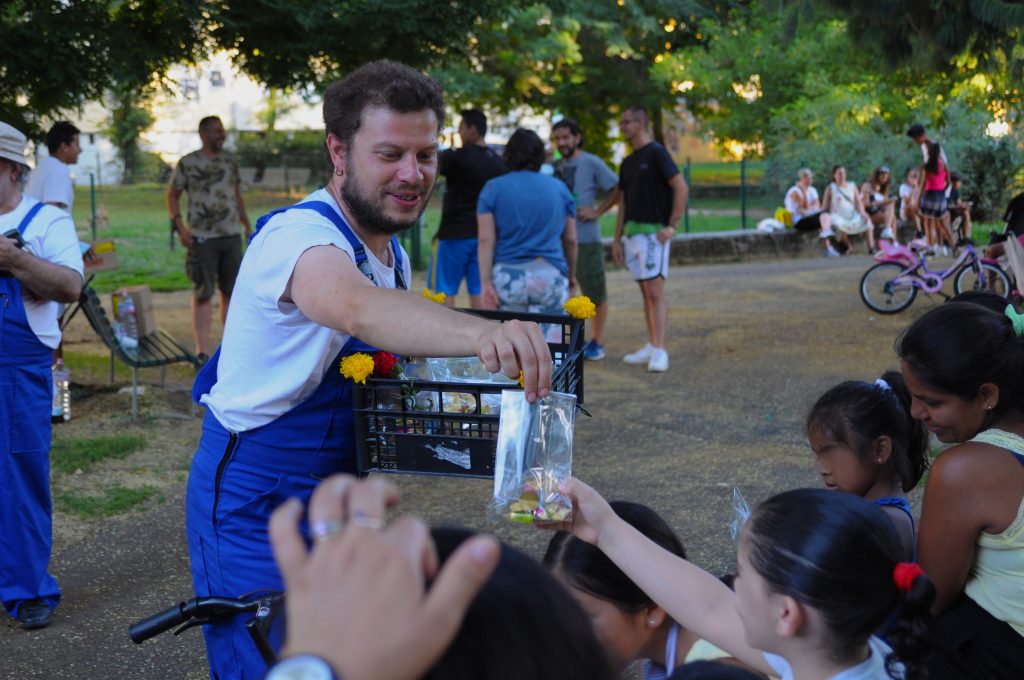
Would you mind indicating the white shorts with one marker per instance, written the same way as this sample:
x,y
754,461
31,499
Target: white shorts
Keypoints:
x,y
646,257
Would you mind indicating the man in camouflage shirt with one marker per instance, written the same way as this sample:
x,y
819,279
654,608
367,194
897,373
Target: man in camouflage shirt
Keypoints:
x,y
216,213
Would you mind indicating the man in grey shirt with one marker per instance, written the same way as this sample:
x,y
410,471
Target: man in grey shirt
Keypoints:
x,y
586,175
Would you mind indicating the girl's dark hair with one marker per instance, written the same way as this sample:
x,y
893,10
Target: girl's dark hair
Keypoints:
x,y
524,151
836,552
522,624
856,413
590,570
958,347
934,155
712,670
875,174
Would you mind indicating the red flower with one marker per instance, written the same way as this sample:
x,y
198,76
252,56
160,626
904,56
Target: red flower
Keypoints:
x,y
385,365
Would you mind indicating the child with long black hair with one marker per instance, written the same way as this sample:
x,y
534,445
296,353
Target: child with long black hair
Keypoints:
x,y
964,365
866,443
628,623
819,572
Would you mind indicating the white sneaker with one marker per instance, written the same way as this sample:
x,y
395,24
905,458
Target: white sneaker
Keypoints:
x,y
641,356
658,362
826,233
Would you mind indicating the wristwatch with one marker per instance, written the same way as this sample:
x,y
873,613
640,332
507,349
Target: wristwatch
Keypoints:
x,y
302,667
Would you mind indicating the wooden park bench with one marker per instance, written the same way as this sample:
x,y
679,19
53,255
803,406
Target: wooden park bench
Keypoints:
x,y
284,178
247,176
156,349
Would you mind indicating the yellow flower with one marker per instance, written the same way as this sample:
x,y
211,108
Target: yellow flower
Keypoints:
x,y
580,307
521,380
357,366
439,298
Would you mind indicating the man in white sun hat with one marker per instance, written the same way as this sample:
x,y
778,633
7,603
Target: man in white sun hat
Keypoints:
x,y
40,266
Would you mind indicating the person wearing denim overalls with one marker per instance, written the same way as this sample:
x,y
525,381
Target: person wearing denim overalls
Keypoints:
x,y
321,280
40,266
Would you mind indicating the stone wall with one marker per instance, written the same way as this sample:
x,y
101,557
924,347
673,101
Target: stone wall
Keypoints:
x,y
738,246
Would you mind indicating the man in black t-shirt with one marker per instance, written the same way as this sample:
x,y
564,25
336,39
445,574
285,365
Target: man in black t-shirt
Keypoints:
x,y
466,170
653,200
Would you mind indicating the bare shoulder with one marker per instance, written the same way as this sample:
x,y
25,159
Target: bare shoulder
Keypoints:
x,y
904,527
981,479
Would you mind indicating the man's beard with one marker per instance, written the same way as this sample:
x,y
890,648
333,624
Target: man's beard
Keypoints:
x,y
369,215
568,152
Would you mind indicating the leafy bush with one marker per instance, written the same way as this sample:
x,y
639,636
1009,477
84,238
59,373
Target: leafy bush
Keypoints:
x,y
848,132
989,166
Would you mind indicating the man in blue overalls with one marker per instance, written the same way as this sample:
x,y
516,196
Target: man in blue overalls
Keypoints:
x,y
40,265
318,282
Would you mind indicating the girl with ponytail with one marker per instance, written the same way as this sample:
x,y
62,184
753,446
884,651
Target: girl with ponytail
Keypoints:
x,y
866,443
818,572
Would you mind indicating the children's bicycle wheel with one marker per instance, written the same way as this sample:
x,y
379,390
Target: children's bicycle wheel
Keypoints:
x,y
983,276
881,291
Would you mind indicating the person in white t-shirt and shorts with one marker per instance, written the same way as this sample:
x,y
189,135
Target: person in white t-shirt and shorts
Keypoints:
x,y
803,202
653,200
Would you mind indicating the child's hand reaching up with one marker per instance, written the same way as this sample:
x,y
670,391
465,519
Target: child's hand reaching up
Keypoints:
x,y
591,513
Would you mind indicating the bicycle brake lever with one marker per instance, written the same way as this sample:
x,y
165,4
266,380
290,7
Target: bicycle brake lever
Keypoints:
x,y
191,623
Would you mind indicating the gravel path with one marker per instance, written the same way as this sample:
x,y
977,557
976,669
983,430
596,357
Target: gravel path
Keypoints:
x,y
752,345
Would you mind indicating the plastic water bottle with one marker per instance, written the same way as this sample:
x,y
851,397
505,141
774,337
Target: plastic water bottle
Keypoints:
x,y
61,410
128,329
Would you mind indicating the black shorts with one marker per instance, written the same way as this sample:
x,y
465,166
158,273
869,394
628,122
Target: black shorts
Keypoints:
x,y
971,643
213,263
809,223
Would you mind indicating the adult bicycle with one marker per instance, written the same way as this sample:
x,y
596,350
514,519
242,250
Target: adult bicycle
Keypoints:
x,y
891,285
211,610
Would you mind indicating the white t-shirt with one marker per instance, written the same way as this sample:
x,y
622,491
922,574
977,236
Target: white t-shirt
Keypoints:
x,y
794,207
50,236
872,668
906,192
273,357
51,182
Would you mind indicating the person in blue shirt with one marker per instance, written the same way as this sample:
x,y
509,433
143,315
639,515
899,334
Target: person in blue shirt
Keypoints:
x,y
526,233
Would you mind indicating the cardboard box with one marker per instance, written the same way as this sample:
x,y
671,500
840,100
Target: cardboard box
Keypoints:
x,y
143,299
101,257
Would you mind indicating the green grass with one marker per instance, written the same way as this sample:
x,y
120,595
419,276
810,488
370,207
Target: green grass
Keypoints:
x,y
138,223
724,173
114,501
69,455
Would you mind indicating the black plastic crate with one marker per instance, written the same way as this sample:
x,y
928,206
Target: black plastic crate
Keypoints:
x,y
392,438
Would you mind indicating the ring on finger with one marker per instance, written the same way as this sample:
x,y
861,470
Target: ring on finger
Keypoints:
x,y
361,519
326,530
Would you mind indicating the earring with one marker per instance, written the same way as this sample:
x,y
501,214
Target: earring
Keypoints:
x,y
651,622
878,460
339,172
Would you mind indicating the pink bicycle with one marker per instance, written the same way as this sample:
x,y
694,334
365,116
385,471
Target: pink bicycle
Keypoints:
x,y
891,285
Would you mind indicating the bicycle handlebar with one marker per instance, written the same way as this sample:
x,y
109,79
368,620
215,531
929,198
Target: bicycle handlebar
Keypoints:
x,y
208,609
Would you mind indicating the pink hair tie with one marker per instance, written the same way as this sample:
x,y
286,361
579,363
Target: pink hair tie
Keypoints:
x,y
904,575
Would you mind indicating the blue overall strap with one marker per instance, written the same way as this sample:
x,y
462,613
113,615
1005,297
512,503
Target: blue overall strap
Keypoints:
x,y
32,212
358,250
207,376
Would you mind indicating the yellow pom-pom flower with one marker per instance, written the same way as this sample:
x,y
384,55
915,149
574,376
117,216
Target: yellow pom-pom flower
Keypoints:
x,y
357,367
580,307
439,298
521,380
